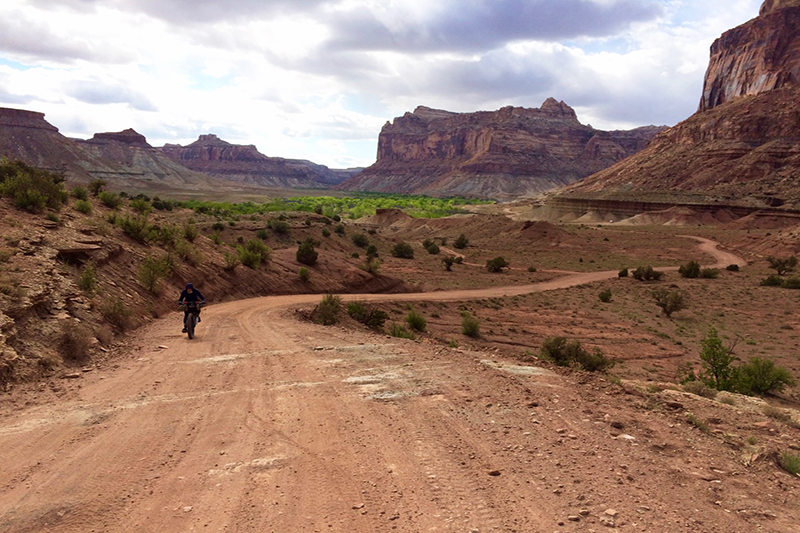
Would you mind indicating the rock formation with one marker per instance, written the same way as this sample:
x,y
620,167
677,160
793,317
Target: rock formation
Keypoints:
x,y
743,146
502,154
211,155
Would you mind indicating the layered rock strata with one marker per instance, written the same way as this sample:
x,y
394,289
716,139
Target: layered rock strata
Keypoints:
x,y
504,154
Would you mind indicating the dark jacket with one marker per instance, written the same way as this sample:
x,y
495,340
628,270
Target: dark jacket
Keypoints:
x,y
189,298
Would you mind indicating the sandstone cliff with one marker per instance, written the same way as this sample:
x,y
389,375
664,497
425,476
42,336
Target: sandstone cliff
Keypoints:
x,y
503,154
246,164
743,146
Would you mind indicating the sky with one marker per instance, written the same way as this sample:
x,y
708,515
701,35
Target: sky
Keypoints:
x,y
317,79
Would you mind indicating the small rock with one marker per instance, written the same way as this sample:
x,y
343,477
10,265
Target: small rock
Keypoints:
x,y
162,347
73,375
358,506
584,512
574,518
494,473
187,509
674,405
610,512
617,425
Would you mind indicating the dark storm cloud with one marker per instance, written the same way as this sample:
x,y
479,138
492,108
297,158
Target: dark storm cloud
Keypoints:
x,y
100,92
483,24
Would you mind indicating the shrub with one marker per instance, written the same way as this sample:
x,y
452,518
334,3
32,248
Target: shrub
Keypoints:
x,y
262,234
790,462
565,353
87,281
75,343
690,269
231,260
461,242
136,227
306,253
190,232
116,313
141,206
31,189
166,234
647,274
605,296
110,200
83,206
327,311
339,229
448,262
188,253
732,268
360,239
253,253
458,260
280,227
470,326
152,271
782,265
398,330
761,376
531,269
80,192
709,273
427,242
433,249
698,388
716,359
355,255
372,251
497,264
218,226
403,250
371,265
773,280
623,273
791,283
326,232
670,301
96,187
163,205
304,274
370,316
416,321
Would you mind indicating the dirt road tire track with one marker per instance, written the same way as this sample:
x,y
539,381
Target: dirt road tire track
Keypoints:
x,y
267,424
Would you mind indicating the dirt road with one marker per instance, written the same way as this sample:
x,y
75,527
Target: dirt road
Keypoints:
x,y
267,424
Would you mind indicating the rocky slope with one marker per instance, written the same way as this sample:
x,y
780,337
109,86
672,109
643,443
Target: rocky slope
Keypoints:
x,y
211,155
502,154
742,147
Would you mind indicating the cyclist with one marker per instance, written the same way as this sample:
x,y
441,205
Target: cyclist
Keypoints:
x,y
190,297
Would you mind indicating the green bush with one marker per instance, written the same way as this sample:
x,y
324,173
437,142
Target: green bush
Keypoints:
x,y
152,271
782,265
717,360
327,311
398,330
605,296
304,274
372,251
698,388
371,265
565,353
403,250
497,264
188,253
791,283
790,462
84,206
190,232
253,253
326,232
470,326
87,281
339,229
166,234
416,321
262,234
110,200
773,280
531,269
31,189
448,262
623,273
761,376
141,206
116,313
461,242
670,301
280,227
690,269
433,249
360,239
306,253
218,226
96,187
163,205
80,192
136,227
709,273
732,268
370,316
647,274
232,260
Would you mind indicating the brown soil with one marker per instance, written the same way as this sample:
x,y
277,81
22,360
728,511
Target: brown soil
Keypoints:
x,y
268,423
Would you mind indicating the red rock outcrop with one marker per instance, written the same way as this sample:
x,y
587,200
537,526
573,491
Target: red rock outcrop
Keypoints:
x,y
743,146
244,163
756,57
503,154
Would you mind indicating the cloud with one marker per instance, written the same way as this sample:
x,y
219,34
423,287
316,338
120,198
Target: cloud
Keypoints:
x,y
96,91
485,24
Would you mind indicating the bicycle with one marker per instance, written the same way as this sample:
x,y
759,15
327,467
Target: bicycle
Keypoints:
x,y
191,319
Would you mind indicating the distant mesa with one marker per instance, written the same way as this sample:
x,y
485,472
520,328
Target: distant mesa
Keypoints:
x,y
507,154
741,149
128,136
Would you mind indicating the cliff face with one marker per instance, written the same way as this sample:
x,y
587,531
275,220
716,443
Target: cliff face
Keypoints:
x,y
503,154
743,145
244,163
756,57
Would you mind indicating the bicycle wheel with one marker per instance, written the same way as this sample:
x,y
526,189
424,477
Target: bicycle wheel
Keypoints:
x,y
191,320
